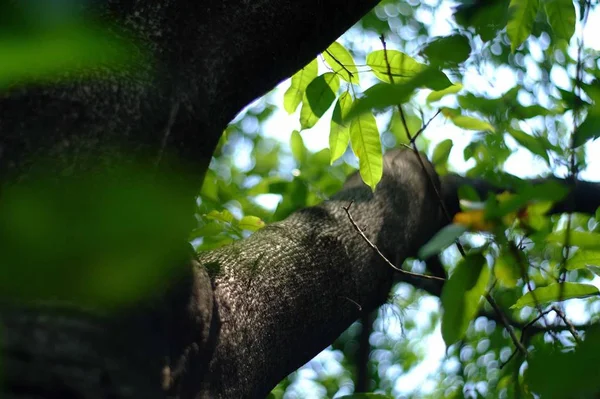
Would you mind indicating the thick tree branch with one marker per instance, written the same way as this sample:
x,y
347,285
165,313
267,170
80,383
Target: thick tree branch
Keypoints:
x,y
280,293
209,59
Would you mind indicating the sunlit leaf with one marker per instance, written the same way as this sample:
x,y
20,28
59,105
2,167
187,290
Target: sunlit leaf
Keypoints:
x,y
365,396
555,292
507,270
461,296
297,147
299,82
339,135
401,66
581,239
251,223
521,15
222,216
582,259
441,240
366,144
468,122
341,62
438,95
561,17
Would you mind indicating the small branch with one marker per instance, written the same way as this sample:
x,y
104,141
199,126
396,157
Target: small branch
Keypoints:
x,y
416,149
340,64
568,324
381,255
353,301
422,129
507,325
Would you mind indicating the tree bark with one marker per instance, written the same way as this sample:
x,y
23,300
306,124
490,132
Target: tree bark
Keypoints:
x,y
240,318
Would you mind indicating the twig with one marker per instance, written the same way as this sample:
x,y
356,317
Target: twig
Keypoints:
x,y
422,129
340,64
506,324
353,301
459,246
415,148
569,325
381,255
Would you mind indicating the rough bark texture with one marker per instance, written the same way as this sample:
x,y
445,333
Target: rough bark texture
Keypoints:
x,y
270,289
239,318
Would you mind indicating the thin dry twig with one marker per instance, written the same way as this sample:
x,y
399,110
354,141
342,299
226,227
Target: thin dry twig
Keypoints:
x,y
381,255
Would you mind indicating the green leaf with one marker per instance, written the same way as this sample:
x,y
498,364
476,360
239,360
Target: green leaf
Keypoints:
x,y
530,142
251,223
448,51
365,396
385,95
379,96
521,15
582,259
467,122
366,144
224,216
554,292
568,373
588,130
300,81
439,94
297,146
401,66
468,193
530,111
581,239
461,296
442,152
321,92
441,240
322,95
551,190
507,270
339,134
341,62
561,17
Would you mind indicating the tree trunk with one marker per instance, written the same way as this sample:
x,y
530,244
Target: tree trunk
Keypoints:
x,y
235,321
